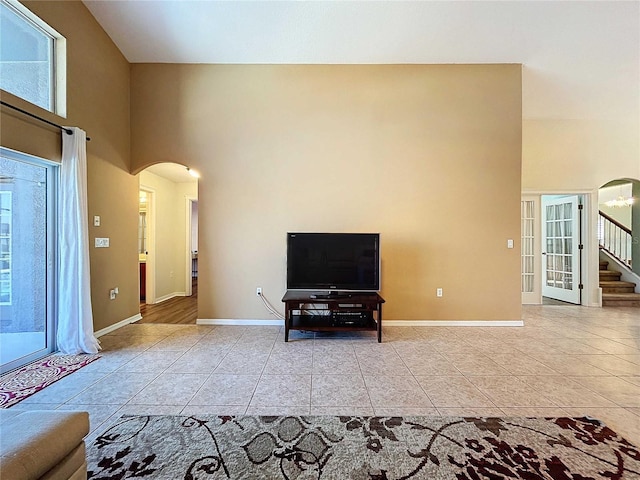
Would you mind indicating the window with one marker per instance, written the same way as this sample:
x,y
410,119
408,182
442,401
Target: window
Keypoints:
x,y
32,58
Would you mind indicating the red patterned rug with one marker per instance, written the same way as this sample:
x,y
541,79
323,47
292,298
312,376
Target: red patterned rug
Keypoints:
x,y
22,383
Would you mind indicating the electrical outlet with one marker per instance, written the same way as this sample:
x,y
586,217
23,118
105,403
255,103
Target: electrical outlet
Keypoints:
x,y
102,242
258,291
438,292
112,294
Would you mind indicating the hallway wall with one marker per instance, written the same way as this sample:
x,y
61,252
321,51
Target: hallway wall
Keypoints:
x,y
170,233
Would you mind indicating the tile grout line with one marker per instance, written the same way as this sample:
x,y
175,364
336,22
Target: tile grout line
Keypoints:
x,y
260,376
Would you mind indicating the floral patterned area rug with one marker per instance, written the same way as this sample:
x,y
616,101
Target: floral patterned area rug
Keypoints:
x,y
372,448
17,385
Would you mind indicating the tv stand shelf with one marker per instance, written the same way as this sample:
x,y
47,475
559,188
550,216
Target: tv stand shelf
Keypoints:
x,y
333,312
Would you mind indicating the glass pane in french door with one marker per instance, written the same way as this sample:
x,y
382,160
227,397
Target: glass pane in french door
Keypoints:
x,y
24,249
527,216
530,249
559,253
562,263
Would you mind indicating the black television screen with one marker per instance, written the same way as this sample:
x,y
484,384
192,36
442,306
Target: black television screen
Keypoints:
x,y
333,261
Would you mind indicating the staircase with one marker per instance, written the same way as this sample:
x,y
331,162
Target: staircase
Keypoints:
x,y
616,293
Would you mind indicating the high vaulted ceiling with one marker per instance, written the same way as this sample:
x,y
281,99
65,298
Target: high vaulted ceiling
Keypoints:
x,y
581,59
207,31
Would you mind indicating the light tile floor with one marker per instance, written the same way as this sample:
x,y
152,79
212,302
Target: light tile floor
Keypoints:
x,y
565,361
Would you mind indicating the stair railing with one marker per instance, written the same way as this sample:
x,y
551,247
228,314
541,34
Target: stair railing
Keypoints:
x,y
615,238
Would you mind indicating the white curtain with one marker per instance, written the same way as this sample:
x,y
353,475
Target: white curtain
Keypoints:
x,y
75,318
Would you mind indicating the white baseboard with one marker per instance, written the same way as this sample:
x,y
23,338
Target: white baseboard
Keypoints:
x,y
386,323
453,323
169,296
118,325
235,321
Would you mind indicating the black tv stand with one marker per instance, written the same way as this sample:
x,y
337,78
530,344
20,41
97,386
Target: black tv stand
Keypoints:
x,y
332,312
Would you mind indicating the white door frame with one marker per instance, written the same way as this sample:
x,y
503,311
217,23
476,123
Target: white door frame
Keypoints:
x,y
591,293
189,200
150,294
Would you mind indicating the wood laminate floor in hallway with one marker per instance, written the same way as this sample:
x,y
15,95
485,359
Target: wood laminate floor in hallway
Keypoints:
x,y
178,310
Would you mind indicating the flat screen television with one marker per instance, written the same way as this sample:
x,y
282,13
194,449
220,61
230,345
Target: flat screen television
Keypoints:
x,y
333,261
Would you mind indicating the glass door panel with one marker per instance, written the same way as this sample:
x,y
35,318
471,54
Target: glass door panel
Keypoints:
x,y
530,249
25,259
562,261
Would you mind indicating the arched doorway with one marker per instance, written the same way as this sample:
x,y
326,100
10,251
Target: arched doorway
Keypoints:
x,y
167,244
619,242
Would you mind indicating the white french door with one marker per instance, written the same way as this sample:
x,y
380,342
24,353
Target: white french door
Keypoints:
x,y
561,259
27,258
530,253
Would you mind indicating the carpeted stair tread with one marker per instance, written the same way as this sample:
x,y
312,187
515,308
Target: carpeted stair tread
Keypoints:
x,y
609,275
621,295
621,299
613,283
616,292
611,286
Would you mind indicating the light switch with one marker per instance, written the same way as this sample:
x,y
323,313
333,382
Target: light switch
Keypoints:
x,y
96,221
510,243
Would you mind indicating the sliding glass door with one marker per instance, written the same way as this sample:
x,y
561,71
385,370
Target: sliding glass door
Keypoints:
x,y
27,258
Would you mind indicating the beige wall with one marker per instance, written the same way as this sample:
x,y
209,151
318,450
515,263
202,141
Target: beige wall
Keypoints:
x,y
564,155
98,102
429,156
170,213
276,143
